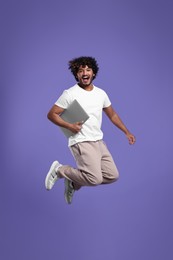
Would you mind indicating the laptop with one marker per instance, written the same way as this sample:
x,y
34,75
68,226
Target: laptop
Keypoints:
x,y
74,113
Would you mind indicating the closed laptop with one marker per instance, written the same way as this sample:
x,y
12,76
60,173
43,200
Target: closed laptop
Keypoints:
x,y
74,113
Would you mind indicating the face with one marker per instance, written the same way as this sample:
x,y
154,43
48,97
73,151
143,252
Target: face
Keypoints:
x,y
85,76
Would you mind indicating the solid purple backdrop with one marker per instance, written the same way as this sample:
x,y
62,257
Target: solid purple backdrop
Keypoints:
x,y
132,41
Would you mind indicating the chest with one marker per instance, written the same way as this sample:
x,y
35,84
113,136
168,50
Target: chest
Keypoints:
x,y
91,103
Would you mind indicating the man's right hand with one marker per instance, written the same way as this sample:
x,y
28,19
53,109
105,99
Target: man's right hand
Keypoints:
x,y
76,127
54,116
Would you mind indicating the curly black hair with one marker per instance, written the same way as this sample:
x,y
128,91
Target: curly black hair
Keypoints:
x,y
83,61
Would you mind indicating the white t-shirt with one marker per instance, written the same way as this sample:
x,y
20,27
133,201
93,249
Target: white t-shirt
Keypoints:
x,y
93,103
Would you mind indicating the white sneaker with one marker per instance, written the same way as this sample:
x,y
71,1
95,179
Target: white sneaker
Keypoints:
x,y
52,177
69,191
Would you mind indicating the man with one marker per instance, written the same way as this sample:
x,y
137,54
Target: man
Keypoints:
x,y
94,162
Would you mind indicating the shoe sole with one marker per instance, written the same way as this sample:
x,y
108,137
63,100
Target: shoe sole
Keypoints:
x,y
66,181
66,186
49,173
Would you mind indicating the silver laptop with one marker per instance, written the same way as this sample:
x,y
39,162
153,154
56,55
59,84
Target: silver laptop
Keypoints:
x,y
74,113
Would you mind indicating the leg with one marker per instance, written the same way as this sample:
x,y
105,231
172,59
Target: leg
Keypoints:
x,y
109,170
88,161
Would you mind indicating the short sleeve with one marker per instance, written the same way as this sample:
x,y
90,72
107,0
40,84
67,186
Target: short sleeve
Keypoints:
x,y
107,101
64,100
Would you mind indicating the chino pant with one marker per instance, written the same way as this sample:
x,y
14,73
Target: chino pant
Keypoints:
x,y
95,165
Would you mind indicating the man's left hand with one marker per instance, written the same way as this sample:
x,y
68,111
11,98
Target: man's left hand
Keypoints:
x,y
131,138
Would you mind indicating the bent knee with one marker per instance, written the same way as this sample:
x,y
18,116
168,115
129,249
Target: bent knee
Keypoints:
x,y
96,180
115,175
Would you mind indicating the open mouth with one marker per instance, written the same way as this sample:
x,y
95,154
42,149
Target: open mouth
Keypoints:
x,y
85,78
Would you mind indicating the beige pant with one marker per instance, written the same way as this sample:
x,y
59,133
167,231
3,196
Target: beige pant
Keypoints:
x,y
95,165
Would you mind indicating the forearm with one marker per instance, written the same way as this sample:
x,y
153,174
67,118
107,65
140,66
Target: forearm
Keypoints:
x,y
113,116
57,120
118,123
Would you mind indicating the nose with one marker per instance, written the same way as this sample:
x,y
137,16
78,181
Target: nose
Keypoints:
x,y
84,72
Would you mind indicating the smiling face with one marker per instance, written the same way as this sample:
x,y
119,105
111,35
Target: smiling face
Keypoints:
x,y
85,76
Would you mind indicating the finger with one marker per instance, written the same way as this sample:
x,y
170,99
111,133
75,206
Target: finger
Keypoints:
x,y
80,123
130,140
133,140
79,126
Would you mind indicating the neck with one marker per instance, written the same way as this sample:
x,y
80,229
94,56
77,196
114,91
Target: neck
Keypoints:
x,y
87,88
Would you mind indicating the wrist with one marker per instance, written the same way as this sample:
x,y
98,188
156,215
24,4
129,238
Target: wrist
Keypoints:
x,y
126,131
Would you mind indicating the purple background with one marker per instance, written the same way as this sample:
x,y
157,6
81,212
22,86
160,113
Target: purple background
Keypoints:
x,y
132,41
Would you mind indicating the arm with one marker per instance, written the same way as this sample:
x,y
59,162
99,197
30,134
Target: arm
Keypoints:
x,y
115,119
54,116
